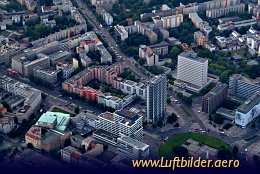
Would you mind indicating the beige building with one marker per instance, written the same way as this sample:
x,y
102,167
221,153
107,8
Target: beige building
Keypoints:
x,y
172,21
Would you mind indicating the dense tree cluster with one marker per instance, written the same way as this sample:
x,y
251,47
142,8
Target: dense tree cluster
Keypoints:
x,y
36,30
128,75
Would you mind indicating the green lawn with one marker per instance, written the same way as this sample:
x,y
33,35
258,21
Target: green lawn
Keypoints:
x,y
55,109
177,140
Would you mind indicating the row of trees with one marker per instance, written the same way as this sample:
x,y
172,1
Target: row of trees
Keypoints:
x,y
185,99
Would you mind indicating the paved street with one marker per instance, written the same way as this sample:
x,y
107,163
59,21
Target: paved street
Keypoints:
x,y
126,61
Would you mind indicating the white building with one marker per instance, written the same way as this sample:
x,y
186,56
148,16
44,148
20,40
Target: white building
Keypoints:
x,y
108,18
120,123
248,111
156,98
148,54
132,148
131,87
192,71
121,32
66,69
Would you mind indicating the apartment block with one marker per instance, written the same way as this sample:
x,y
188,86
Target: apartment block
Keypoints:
x,y
200,38
148,54
121,32
172,21
214,98
156,98
107,17
237,24
199,23
152,36
216,13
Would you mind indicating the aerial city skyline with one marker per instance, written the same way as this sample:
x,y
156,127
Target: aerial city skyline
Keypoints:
x,y
102,84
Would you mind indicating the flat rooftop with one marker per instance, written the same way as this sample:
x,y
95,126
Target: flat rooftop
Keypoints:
x,y
107,115
249,103
216,90
133,142
192,56
246,79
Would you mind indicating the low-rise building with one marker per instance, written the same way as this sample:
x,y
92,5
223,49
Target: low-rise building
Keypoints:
x,y
6,124
132,148
237,24
70,155
54,120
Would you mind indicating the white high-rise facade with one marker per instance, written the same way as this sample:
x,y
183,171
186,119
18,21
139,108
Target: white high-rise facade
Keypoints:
x,y
192,70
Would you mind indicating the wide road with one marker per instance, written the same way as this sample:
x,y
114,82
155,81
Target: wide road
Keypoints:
x,y
126,61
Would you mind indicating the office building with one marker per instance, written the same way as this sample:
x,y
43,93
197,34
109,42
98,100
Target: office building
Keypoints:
x,y
242,87
26,99
214,98
48,76
248,110
132,148
25,63
156,98
192,71
120,123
